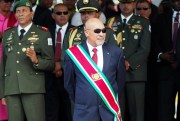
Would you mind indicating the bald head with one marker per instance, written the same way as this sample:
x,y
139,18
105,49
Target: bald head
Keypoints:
x,y
93,23
95,32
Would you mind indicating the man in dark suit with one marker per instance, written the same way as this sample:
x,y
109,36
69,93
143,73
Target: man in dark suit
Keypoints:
x,y
168,72
88,9
42,15
27,53
108,59
58,107
133,36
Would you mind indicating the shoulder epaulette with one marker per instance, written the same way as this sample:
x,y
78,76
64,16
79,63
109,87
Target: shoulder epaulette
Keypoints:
x,y
72,28
9,28
108,27
143,17
80,26
111,21
42,27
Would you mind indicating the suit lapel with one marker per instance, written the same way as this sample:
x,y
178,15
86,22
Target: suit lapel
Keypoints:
x,y
84,44
106,57
53,35
132,20
16,34
170,22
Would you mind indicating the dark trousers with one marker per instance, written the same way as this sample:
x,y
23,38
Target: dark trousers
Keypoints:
x,y
58,107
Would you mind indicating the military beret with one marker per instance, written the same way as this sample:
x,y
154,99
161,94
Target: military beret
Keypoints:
x,y
20,3
88,5
128,1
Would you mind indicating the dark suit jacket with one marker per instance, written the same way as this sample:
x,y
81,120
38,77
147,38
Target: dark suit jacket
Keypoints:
x,y
42,17
178,47
88,105
51,81
164,41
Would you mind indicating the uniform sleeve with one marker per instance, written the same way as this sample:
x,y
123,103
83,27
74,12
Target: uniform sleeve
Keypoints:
x,y
141,54
110,37
2,68
46,58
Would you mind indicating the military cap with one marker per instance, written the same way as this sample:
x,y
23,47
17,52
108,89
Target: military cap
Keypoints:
x,y
20,3
88,5
128,1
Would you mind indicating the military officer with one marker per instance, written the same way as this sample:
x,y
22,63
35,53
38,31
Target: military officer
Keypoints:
x,y
88,9
133,36
27,53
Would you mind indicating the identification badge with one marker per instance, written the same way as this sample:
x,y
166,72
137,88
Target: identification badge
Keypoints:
x,y
50,41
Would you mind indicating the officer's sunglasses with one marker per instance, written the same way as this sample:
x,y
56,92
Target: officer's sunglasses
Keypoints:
x,y
60,13
97,31
7,1
144,8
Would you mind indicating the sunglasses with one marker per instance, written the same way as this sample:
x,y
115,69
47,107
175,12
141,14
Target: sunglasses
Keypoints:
x,y
7,1
97,31
60,13
142,9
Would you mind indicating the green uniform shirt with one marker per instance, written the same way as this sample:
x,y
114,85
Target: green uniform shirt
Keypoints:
x,y
18,73
134,39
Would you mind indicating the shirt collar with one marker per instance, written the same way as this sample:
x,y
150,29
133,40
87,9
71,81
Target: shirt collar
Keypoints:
x,y
127,19
34,8
63,28
26,28
90,47
175,12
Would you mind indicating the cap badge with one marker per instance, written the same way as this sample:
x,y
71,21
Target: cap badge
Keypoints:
x,y
28,4
85,1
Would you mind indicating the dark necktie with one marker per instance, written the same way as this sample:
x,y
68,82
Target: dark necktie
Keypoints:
x,y
22,31
176,22
124,23
94,57
58,46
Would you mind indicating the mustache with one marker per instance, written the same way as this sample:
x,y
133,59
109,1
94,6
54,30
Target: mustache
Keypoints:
x,y
21,17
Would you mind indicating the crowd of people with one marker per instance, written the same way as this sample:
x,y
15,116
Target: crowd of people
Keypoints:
x,y
89,60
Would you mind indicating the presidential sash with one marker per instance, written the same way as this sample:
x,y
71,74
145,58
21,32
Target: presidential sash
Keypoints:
x,y
96,78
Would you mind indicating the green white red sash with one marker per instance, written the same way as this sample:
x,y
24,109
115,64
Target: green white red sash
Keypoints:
x,y
96,78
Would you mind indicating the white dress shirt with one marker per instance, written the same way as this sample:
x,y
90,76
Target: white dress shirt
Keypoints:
x,y
63,31
99,54
26,29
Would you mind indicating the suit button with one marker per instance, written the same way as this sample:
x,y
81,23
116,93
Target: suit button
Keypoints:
x,y
19,43
17,61
124,39
18,52
18,72
123,48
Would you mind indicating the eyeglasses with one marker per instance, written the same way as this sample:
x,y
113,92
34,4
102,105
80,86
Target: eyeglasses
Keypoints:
x,y
60,13
7,1
145,8
97,31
